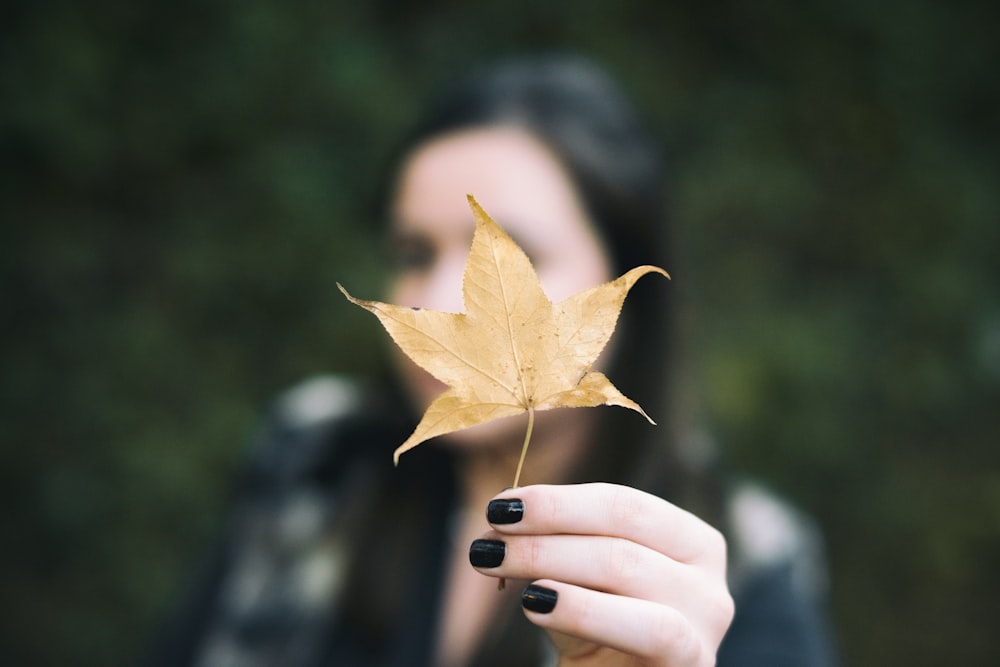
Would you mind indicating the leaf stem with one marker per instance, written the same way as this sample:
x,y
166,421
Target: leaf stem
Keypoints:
x,y
502,583
524,449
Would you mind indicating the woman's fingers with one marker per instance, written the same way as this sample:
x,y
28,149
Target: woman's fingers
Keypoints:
x,y
609,564
612,511
658,634
614,568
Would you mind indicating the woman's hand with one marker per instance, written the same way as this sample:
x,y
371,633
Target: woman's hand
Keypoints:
x,y
619,576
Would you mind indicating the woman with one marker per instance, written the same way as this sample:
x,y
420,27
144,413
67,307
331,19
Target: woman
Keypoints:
x,y
335,557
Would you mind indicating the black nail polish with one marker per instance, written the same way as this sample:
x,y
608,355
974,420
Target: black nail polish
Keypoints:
x,y
505,510
539,599
487,553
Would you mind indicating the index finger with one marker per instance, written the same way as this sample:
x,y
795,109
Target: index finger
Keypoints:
x,y
610,510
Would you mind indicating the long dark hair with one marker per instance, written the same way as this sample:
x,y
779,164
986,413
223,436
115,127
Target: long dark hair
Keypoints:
x,y
580,112
575,108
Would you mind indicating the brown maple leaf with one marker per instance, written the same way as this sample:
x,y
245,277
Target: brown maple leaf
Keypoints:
x,y
513,350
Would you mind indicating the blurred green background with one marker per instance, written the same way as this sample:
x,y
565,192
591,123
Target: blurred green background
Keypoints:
x,y
183,182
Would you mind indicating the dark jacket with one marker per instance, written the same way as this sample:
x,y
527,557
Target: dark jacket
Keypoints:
x,y
300,577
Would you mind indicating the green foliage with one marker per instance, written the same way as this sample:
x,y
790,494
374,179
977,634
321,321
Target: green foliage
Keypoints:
x,y
182,183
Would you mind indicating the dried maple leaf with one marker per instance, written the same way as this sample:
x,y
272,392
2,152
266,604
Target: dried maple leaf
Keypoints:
x,y
513,350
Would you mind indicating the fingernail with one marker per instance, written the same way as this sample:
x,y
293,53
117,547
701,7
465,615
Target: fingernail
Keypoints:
x,y
505,510
537,598
487,553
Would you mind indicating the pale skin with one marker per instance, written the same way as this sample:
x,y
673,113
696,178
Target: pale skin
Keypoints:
x,y
639,581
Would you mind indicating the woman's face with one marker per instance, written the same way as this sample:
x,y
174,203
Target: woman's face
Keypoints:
x,y
520,183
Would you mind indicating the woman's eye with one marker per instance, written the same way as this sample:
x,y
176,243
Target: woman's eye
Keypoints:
x,y
412,255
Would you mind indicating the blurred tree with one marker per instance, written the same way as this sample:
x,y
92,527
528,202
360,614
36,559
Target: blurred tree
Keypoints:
x,y
182,184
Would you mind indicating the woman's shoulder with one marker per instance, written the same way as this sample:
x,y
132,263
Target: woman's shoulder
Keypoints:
x,y
285,537
766,531
778,577
314,428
